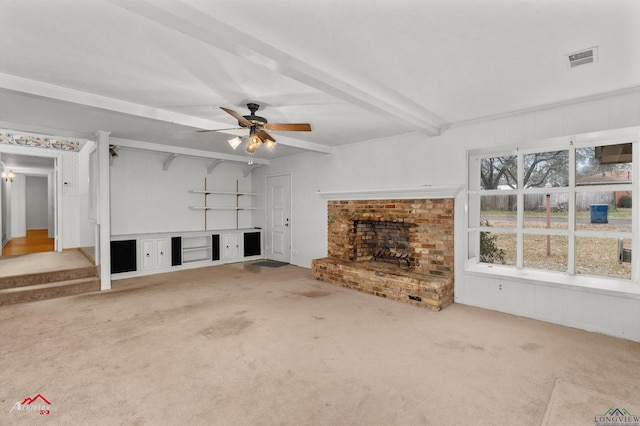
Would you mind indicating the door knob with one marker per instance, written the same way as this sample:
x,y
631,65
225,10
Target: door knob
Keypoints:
x,y
287,222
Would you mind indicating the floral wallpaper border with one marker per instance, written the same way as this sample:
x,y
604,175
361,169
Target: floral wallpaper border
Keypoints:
x,y
13,138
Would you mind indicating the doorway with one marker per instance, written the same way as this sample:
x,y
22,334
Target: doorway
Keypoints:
x,y
278,238
28,204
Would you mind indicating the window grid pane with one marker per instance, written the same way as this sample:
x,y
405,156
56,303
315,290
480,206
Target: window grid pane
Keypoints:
x,y
599,256
499,173
601,211
548,252
497,248
498,211
546,210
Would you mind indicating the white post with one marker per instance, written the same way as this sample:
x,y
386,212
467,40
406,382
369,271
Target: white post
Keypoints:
x,y
548,185
103,210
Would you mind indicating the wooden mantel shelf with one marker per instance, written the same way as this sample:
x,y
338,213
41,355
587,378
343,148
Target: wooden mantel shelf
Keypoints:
x,y
427,191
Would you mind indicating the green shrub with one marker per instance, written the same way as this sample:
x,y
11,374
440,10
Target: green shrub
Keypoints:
x,y
624,202
489,250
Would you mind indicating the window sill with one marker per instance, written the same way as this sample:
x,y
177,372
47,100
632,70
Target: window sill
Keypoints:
x,y
584,283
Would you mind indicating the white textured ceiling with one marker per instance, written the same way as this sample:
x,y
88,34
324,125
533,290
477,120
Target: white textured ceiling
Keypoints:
x,y
357,70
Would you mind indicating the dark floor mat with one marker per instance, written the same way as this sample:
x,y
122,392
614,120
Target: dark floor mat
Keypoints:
x,y
269,264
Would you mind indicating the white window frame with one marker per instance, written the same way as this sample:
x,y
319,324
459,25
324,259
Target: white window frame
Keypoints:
x,y
570,143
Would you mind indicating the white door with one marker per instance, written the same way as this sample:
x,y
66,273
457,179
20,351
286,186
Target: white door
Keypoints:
x,y
279,218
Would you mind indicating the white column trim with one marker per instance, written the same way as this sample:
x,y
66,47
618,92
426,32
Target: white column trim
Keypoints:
x,y
104,210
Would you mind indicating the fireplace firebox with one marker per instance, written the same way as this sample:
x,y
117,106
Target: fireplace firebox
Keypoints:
x,y
382,241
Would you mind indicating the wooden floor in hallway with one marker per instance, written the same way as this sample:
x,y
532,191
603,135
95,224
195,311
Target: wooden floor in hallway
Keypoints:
x,y
36,241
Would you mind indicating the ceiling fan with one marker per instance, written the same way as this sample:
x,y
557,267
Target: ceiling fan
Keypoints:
x,y
257,126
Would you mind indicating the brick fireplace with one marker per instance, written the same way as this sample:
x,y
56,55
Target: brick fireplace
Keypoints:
x,y
416,236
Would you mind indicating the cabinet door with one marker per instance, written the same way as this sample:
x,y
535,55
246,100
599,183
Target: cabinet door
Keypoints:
x,y
230,246
162,252
238,241
148,260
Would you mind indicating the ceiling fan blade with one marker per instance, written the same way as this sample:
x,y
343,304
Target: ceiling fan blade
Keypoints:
x,y
237,116
264,135
219,130
291,127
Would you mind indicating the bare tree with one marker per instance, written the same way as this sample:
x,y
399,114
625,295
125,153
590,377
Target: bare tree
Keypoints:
x,y
498,171
539,168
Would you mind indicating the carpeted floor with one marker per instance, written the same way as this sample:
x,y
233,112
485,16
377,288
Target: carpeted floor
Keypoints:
x,y
243,344
42,262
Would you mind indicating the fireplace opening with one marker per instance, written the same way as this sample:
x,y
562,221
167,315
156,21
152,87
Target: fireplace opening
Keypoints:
x,y
383,241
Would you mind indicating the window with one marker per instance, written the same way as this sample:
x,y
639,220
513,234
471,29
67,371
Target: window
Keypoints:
x,y
566,209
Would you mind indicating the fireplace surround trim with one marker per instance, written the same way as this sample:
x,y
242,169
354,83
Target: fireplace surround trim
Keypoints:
x,y
425,192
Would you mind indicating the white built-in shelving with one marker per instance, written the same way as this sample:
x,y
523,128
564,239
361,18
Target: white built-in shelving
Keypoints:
x,y
196,248
235,204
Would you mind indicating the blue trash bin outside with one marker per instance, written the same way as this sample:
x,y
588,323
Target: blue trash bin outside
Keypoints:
x,y
599,213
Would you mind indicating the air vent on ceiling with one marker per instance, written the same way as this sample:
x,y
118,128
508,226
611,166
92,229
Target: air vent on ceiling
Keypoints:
x,y
583,57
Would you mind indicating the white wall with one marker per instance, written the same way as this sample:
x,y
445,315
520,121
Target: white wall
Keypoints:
x,y
86,226
18,210
414,160
400,162
6,209
147,199
37,202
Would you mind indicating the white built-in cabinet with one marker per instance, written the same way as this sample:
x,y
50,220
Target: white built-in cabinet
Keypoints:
x,y
231,246
155,253
145,254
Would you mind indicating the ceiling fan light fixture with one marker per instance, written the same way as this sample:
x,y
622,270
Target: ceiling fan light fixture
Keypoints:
x,y
257,129
254,143
255,140
270,144
235,142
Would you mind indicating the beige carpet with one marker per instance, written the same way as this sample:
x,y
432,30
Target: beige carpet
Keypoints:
x,y
244,345
42,262
569,403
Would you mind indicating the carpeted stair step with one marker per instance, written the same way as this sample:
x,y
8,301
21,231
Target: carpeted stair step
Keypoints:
x,y
30,293
46,277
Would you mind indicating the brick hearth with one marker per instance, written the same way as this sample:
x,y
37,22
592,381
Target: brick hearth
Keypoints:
x,y
429,225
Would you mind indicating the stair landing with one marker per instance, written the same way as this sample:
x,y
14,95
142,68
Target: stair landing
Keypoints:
x,y
38,276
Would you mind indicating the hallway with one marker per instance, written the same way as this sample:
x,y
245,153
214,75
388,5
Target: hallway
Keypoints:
x,y
36,241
